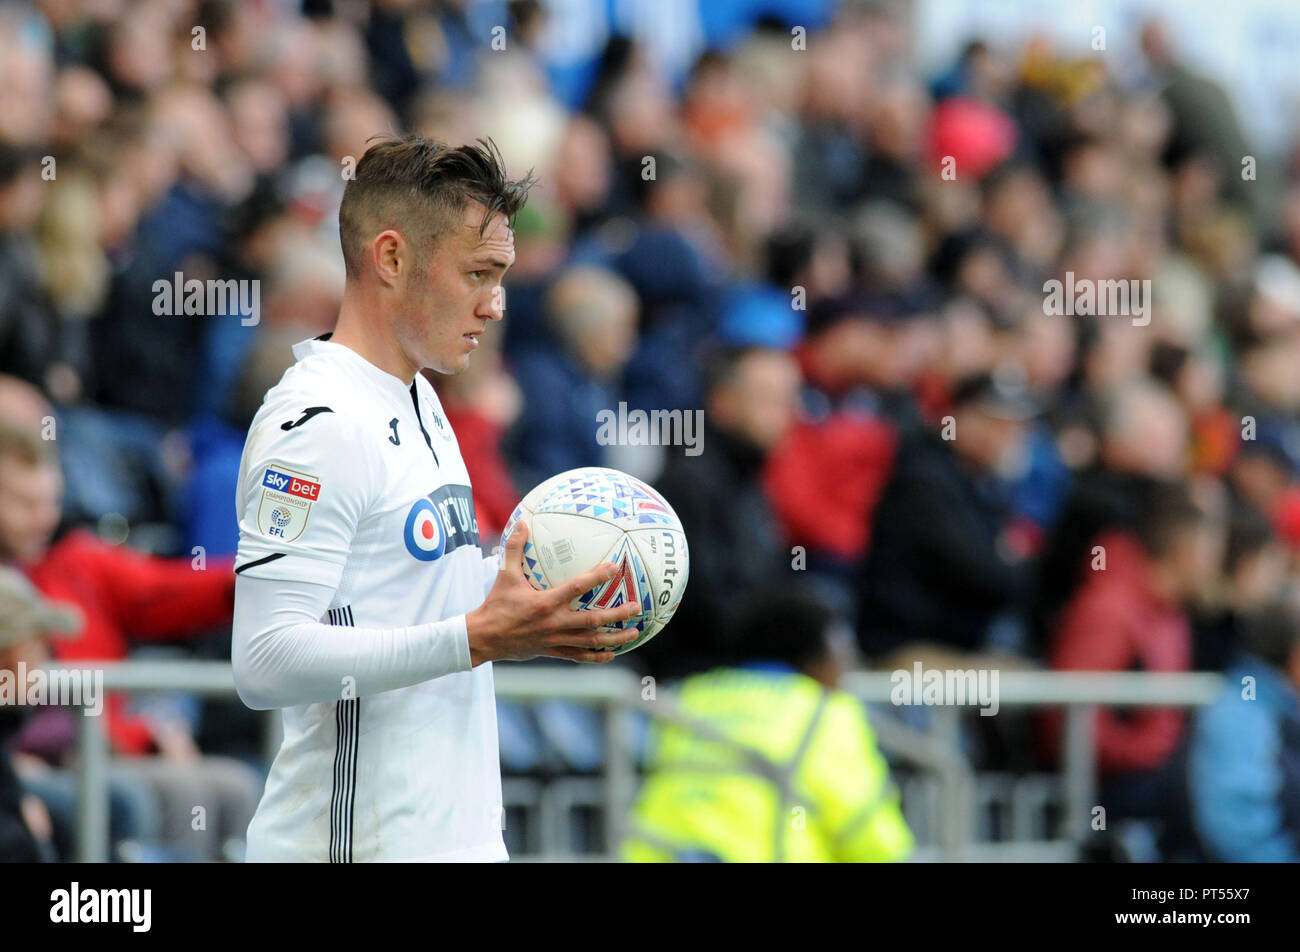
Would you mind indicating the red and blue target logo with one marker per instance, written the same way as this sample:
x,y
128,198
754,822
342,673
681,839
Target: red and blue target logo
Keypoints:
x,y
424,535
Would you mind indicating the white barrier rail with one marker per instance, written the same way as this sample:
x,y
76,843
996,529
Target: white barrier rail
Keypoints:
x,y
618,691
1080,693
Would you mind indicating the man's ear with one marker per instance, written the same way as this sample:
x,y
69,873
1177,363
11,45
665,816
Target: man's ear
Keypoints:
x,y
390,256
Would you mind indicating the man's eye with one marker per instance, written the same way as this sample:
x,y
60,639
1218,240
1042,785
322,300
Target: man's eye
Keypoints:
x,y
477,275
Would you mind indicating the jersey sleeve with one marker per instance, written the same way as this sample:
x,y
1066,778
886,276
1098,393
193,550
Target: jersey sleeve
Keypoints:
x,y
282,655
302,492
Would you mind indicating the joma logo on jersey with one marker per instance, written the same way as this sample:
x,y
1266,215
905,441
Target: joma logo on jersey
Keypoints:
x,y
293,485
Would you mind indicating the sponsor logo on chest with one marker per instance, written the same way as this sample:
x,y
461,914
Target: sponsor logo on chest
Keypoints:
x,y
440,523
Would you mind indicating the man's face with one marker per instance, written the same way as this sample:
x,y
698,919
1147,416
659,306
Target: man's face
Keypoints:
x,y
454,292
761,402
1197,557
991,443
30,509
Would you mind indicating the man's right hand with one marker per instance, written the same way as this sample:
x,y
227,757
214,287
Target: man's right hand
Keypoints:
x,y
517,622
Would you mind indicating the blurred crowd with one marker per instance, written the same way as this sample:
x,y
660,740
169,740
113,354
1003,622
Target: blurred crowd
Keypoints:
x,y
773,217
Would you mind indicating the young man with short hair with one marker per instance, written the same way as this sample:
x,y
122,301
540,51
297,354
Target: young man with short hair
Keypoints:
x,y
359,604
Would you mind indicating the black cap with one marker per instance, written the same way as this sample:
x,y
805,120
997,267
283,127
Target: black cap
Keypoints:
x,y
879,308
1003,395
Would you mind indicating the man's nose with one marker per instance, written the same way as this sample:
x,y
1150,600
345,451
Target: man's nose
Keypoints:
x,y
494,307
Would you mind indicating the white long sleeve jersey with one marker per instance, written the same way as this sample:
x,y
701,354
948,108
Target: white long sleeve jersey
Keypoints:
x,y
358,561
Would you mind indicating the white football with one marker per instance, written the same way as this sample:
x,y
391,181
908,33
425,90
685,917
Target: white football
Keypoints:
x,y
587,516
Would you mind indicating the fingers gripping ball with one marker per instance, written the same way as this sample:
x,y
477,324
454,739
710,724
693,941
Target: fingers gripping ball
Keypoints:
x,y
584,517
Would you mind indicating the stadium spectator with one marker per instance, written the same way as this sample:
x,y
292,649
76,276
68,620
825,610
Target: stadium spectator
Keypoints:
x,y
776,734
1263,472
1195,380
303,289
593,316
1254,573
829,153
29,327
941,568
50,796
1128,615
542,236
857,372
672,256
1244,758
127,598
26,620
1202,120
1044,352
718,495
1143,443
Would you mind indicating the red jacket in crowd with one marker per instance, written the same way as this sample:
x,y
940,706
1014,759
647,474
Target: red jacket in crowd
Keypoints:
x,y
825,478
127,596
1118,622
495,496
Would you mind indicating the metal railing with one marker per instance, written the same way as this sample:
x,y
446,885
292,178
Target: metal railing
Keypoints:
x,y
1080,694
618,692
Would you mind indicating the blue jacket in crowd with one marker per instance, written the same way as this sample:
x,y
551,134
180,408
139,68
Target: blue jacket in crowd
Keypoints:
x,y
1244,769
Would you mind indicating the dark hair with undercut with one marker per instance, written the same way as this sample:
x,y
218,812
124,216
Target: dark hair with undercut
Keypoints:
x,y
421,187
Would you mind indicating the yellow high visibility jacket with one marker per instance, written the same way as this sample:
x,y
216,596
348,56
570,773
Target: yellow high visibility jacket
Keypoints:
x,y
765,766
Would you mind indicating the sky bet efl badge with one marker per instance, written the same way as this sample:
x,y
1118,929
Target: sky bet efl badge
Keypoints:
x,y
286,502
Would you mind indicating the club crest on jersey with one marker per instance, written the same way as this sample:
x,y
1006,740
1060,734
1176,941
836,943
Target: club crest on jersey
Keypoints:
x,y
438,422
425,537
287,498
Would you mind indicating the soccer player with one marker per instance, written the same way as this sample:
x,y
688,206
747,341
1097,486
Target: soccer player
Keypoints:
x,y
360,604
